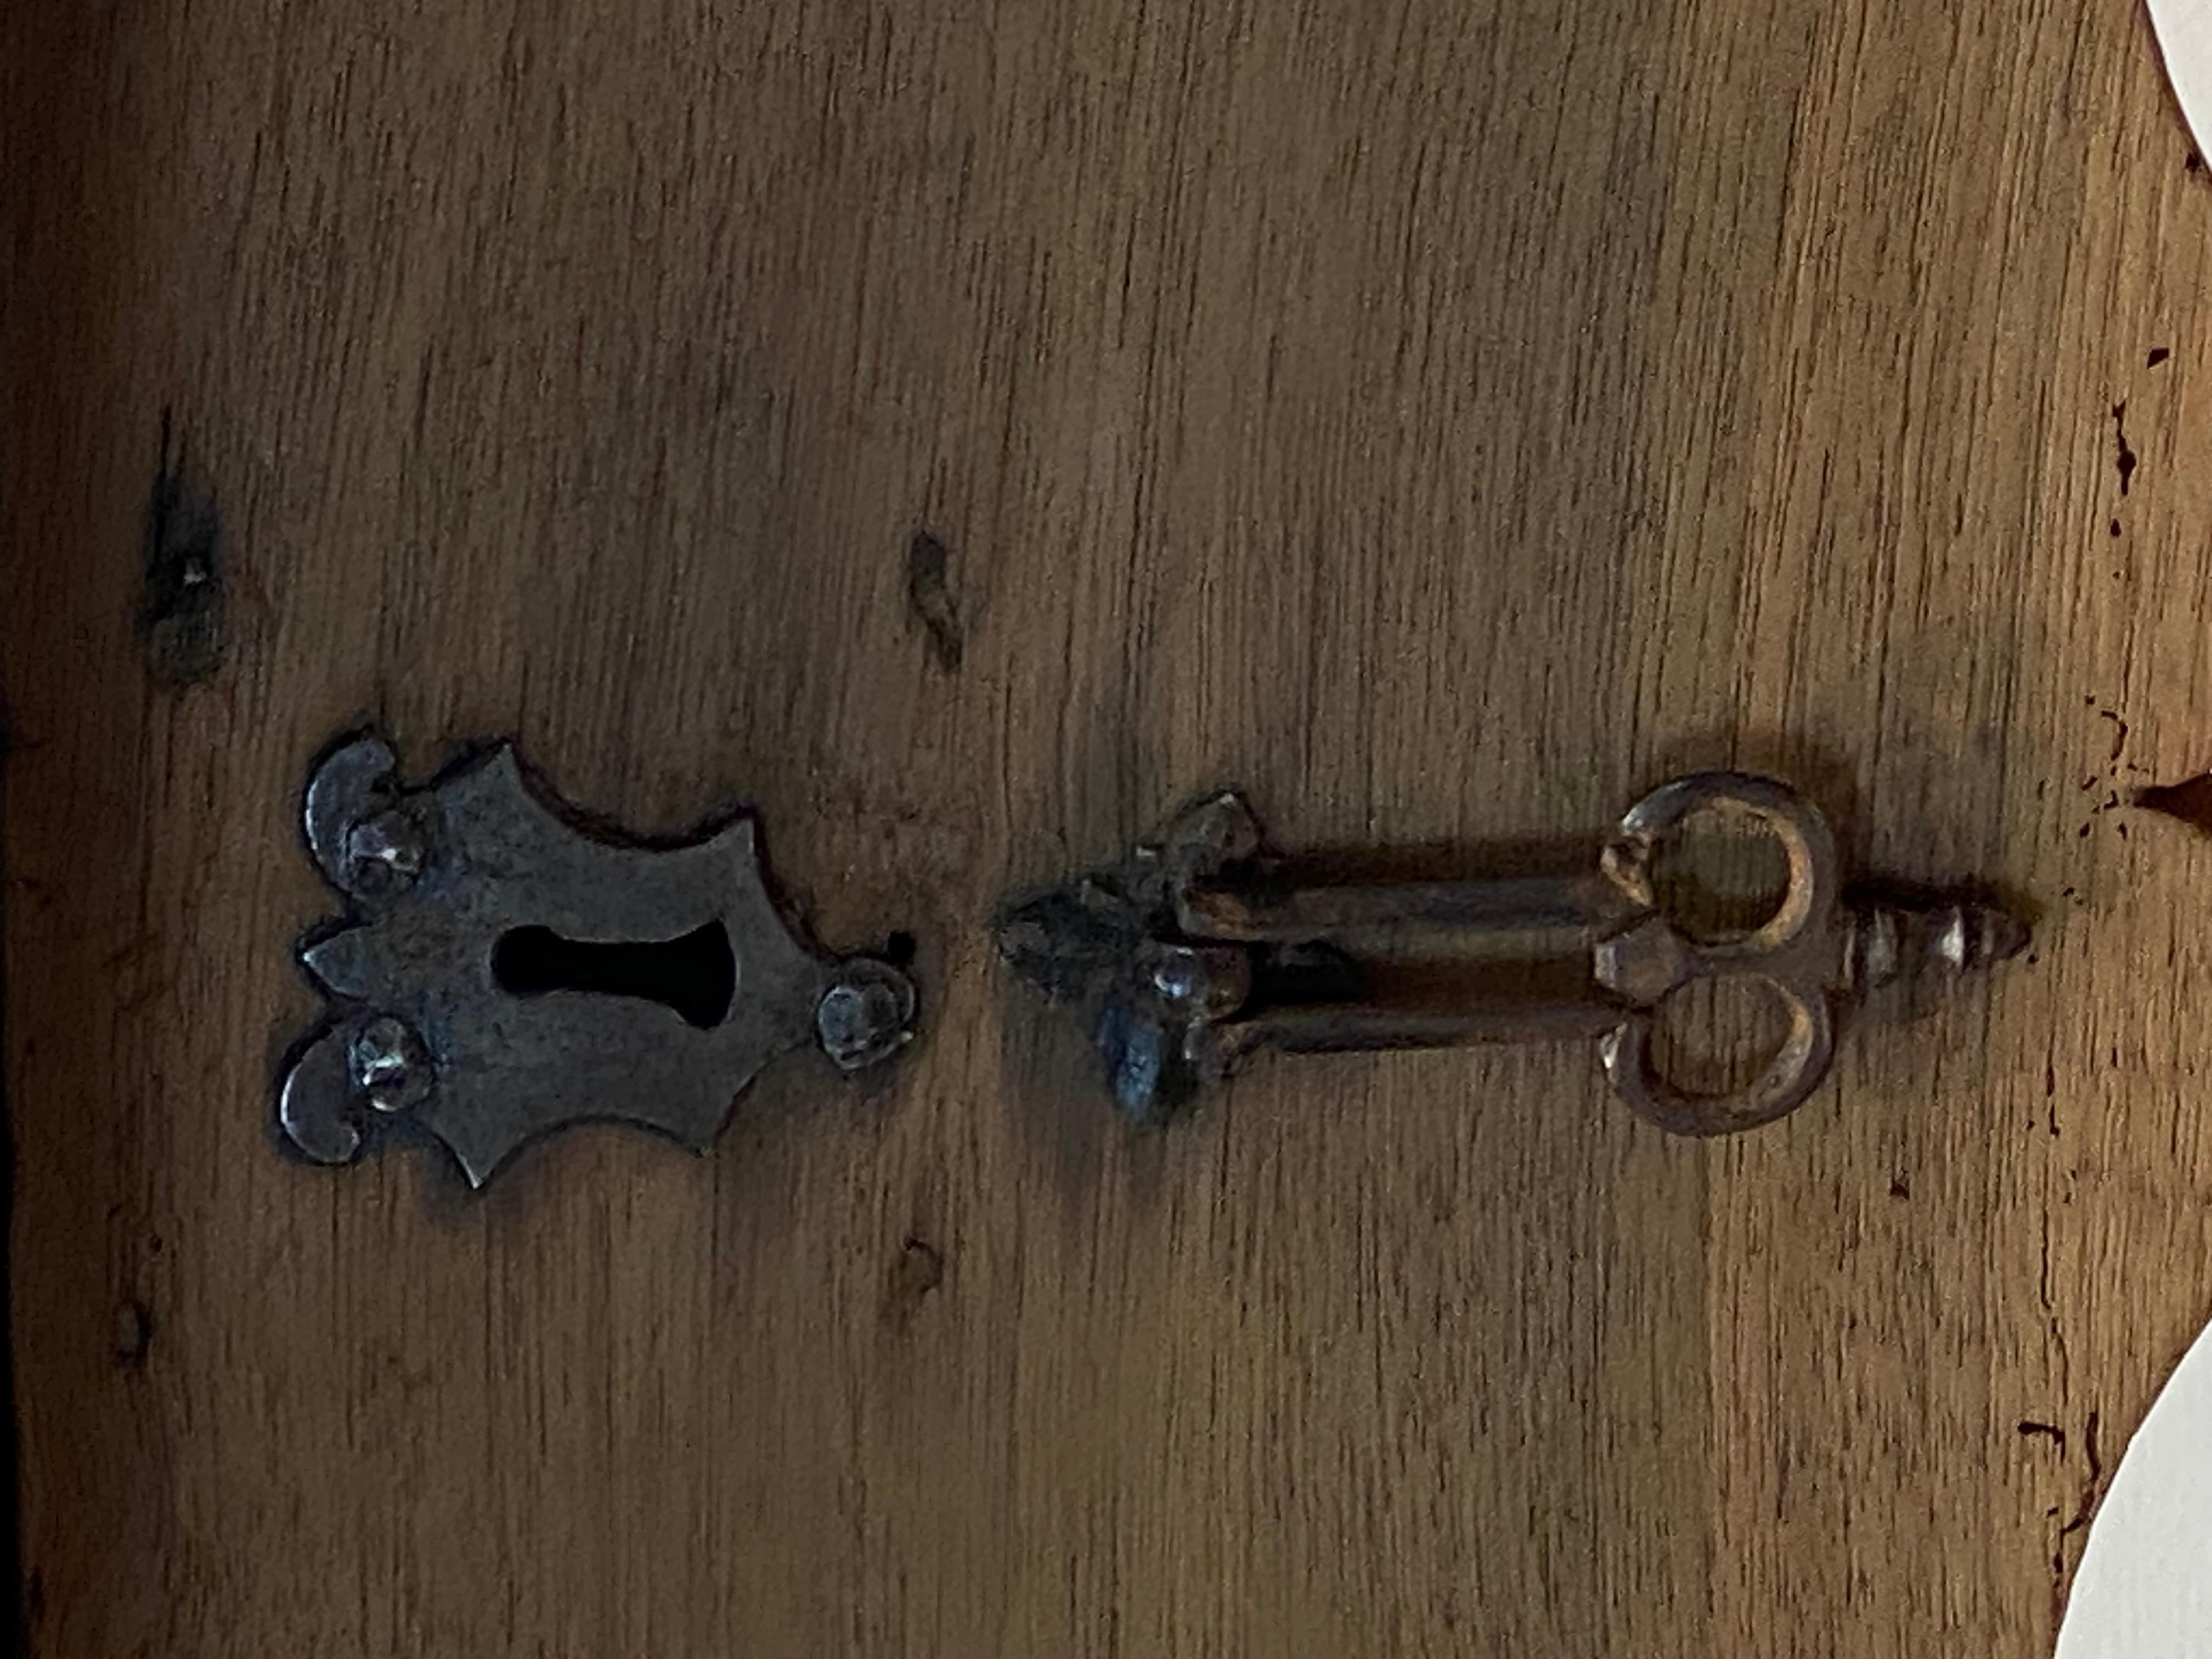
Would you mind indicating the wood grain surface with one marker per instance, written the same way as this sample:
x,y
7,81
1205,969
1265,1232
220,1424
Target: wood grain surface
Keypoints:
x,y
1445,418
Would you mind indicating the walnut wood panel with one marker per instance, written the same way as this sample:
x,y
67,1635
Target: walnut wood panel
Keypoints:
x,y
1445,418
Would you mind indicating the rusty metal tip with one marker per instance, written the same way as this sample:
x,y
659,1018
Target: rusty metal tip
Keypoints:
x,y
2189,801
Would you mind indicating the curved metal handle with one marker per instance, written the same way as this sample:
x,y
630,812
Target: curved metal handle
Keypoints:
x,y
1815,883
1194,953
1793,1072
1792,952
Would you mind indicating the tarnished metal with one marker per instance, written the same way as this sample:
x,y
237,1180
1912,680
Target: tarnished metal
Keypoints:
x,y
1202,950
502,972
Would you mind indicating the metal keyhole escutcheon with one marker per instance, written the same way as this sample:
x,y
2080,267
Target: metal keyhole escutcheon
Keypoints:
x,y
502,972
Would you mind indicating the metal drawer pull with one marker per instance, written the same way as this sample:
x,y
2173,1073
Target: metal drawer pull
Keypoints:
x,y
502,972
1197,953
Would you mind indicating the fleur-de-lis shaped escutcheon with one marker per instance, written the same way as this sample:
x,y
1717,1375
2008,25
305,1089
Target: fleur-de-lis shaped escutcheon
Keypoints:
x,y
503,971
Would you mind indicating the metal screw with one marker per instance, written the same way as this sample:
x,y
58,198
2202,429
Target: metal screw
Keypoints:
x,y
384,853
389,1064
1893,940
864,1015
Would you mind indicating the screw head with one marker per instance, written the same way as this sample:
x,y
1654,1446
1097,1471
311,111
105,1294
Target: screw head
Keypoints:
x,y
1199,981
384,853
389,1065
863,1017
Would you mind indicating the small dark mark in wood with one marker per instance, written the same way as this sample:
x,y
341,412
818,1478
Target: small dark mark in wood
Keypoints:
x,y
929,596
2116,528
2194,164
133,1333
918,1271
2030,1429
2127,460
181,613
2189,801
2158,354
2092,1491
1899,1187
2090,1487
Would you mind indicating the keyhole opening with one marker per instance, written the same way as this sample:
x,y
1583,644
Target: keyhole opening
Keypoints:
x,y
695,976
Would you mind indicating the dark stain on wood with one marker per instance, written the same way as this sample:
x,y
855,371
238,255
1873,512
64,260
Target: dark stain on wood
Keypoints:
x,y
133,1333
929,596
2126,460
182,613
2093,1490
916,1273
